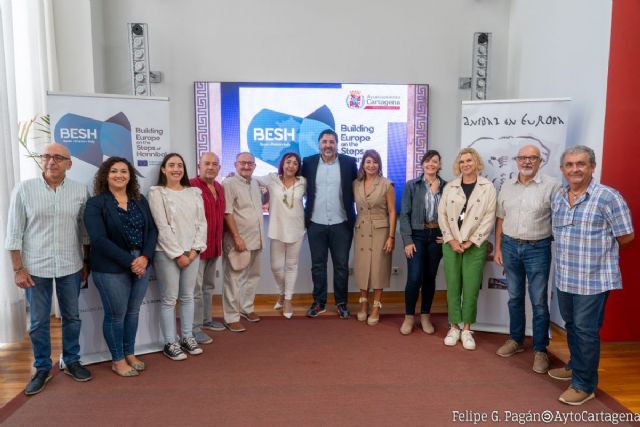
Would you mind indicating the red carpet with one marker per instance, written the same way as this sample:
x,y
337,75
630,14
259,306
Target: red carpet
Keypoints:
x,y
309,372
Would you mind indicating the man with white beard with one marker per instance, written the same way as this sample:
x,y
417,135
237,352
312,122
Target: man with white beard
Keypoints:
x,y
523,248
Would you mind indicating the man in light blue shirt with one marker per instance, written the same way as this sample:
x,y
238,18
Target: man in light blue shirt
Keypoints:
x,y
590,223
45,234
329,217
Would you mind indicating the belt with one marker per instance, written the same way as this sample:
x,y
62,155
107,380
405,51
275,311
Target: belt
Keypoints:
x,y
525,242
431,225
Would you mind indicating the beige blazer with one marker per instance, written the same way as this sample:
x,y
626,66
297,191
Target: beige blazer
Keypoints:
x,y
480,215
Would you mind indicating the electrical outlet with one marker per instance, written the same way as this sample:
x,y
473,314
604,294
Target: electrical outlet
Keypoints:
x,y
395,270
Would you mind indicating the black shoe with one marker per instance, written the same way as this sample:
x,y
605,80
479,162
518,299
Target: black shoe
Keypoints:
x,y
173,351
190,345
343,311
77,372
37,383
315,310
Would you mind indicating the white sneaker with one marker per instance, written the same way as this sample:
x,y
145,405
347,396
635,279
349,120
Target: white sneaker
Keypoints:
x,y
467,340
452,337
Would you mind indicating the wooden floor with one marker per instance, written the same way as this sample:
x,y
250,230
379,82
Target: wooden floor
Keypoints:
x,y
619,362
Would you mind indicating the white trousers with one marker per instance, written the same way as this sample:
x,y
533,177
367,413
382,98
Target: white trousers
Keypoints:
x,y
284,265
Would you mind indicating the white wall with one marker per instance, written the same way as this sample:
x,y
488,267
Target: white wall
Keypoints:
x,y
74,46
561,49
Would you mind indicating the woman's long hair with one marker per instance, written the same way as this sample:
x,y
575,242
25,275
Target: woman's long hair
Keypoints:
x,y
101,180
162,178
376,158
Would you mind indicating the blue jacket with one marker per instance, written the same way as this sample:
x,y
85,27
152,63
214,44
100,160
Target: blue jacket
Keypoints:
x,y
348,172
110,251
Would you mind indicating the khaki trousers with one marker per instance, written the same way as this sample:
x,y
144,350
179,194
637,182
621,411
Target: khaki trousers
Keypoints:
x,y
239,290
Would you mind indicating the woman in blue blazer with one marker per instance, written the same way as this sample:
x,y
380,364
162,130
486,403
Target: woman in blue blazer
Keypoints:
x,y
123,240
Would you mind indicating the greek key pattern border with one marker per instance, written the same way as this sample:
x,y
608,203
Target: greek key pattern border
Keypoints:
x,y
420,133
201,93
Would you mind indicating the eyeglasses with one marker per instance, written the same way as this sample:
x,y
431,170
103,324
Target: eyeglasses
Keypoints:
x,y
57,158
245,163
523,159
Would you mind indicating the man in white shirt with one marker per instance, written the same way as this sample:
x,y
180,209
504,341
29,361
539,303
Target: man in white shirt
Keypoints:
x,y
523,248
45,234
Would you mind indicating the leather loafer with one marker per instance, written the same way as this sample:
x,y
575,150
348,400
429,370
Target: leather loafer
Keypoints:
x,y
251,317
77,372
235,327
37,383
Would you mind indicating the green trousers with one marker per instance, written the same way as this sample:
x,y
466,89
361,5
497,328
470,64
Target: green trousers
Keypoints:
x,y
463,273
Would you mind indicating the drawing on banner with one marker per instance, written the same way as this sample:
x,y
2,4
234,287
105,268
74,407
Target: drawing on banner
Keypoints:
x,y
497,283
499,153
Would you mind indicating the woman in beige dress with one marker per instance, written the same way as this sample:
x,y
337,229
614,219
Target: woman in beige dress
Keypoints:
x,y
374,233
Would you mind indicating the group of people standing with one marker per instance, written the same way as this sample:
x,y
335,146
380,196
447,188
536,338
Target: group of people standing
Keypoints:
x,y
187,225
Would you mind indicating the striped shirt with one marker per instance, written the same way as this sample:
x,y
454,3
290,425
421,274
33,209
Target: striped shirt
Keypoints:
x,y
526,209
47,227
586,261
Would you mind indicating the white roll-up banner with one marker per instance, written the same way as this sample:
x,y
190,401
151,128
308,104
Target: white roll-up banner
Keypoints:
x,y
497,130
95,127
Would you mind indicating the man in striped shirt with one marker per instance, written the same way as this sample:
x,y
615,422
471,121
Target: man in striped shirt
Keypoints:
x,y
45,234
523,248
590,223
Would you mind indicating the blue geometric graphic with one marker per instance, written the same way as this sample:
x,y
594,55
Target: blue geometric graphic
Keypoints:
x,y
271,134
91,140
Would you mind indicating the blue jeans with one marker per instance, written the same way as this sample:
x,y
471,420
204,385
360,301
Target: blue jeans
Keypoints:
x,y
121,296
528,262
175,283
422,269
337,240
583,316
39,297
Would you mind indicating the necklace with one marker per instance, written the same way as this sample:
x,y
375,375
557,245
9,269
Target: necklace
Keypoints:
x,y
121,200
285,191
576,194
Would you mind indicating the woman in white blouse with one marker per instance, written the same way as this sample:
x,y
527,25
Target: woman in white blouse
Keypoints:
x,y
286,226
178,211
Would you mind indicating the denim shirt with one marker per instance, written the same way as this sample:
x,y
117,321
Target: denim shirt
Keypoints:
x,y
412,212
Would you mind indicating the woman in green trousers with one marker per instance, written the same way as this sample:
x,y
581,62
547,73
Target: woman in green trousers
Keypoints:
x,y
466,215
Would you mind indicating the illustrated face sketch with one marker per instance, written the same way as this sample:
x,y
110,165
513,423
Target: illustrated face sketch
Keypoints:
x,y
498,154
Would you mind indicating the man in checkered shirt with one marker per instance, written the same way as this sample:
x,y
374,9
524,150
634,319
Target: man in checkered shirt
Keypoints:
x,y
590,223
